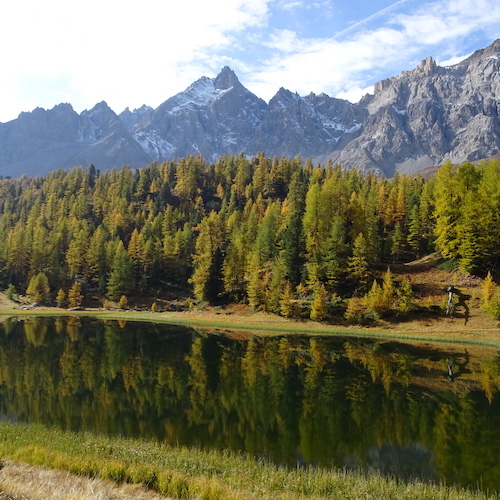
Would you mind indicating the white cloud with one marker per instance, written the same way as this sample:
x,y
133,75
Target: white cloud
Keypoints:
x,y
344,67
355,93
130,54
112,48
285,41
290,4
452,61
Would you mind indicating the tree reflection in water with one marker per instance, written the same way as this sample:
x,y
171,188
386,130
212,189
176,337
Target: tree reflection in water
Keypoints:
x,y
332,401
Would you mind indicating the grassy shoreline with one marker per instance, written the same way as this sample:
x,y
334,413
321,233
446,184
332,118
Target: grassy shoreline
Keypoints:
x,y
269,324
213,475
194,473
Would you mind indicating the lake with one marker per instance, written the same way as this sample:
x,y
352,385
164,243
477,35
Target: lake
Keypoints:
x,y
409,410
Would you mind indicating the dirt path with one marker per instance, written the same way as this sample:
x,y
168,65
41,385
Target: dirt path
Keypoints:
x,y
26,482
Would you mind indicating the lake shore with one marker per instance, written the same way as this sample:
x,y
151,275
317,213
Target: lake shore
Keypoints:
x,y
233,320
177,472
240,320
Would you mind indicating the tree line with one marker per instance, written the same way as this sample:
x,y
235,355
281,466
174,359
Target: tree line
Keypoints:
x,y
276,233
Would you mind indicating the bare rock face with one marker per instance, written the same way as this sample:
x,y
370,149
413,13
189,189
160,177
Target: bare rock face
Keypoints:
x,y
417,119
45,140
430,115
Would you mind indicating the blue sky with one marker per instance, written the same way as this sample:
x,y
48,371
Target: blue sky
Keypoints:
x,y
134,53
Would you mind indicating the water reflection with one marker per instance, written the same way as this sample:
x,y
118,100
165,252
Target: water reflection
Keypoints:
x,y
337,402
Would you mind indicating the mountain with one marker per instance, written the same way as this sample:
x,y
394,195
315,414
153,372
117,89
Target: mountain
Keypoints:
x,y
430,115
417,119
42,140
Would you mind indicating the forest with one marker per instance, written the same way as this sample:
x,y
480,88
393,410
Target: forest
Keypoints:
x,y
278,234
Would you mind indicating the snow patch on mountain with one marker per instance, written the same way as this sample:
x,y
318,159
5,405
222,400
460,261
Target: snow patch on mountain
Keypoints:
x,y
154,145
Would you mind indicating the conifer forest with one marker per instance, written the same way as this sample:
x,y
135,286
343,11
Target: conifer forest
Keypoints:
x,y
278,234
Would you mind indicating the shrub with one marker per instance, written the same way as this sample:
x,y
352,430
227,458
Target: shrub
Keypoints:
x,y
10,292
490,300
123,302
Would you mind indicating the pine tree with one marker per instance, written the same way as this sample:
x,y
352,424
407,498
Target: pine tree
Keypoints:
x,y
374,300
319,306
398,241
490,299
38,289
256,281
388,289
414,237
75,296
358,262
96,261
447,211
10,292
335,258
313,235
287,307
276,285
234,266
405,297
208,259
77,250
61,298
121,279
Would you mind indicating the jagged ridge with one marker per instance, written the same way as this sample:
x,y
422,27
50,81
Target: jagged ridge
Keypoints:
x,y
419,118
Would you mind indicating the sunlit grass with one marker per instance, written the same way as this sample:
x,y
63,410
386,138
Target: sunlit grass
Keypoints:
x,y
282,327
181,472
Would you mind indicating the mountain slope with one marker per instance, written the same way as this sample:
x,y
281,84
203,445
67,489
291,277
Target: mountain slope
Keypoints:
x,y
431,114
40,141
419,118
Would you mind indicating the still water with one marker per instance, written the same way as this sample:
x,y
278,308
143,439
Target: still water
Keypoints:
x,y
424,411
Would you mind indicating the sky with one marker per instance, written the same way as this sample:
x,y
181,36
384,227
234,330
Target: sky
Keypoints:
x,y
134,53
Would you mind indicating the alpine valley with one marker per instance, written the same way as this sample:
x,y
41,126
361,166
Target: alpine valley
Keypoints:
x,y
417,119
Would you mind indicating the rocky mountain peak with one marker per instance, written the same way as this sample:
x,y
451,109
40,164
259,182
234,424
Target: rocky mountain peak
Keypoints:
x,y
416,119
427,67
492,51
226,79
283,98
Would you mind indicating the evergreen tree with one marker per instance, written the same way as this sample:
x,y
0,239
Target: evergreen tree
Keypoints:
x,y
61,298
358,262
313,234
335,257
10,292
319,306
287,307
38,289
257,282
75,296
276,285
208,259
121,279
414,238
405,297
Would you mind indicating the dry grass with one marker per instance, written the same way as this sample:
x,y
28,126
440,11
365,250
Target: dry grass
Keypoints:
x,y
180,472
21,481
428,282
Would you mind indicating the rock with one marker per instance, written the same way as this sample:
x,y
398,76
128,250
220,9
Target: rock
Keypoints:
x,y
415,120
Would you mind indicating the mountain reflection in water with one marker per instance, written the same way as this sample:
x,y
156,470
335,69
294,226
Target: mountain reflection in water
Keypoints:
x,y
339,402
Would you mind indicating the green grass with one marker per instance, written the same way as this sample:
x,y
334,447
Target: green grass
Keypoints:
x,y
210,475
467,338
